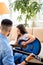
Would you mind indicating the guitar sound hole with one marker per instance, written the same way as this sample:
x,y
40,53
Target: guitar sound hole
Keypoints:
x,y
31,47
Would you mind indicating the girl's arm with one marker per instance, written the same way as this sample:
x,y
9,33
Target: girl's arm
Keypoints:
x,y
17,39
31,38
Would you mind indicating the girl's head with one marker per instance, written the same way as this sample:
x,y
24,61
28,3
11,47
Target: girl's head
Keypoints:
x,y
21,29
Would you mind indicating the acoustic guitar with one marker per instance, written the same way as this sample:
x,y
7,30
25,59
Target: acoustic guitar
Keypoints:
x,y
33,47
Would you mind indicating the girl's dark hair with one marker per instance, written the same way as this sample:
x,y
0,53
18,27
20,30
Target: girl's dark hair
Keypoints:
x,y
22,29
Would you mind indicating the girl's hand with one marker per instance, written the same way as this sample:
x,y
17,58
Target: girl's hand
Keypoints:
x,y
24,44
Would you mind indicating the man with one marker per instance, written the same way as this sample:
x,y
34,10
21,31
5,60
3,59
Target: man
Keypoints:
x,y
6,53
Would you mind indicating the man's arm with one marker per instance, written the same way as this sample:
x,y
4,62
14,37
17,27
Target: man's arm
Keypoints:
x,y
27,59
7,58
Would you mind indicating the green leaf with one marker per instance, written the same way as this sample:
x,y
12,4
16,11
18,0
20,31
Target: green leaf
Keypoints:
x,y
19,18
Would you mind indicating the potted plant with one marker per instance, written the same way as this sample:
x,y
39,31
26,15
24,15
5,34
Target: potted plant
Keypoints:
x,y
26,7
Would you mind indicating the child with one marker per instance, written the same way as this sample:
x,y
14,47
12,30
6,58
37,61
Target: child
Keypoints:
x,y
22,34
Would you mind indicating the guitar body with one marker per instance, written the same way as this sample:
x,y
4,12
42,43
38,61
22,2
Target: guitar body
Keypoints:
x,y
33,47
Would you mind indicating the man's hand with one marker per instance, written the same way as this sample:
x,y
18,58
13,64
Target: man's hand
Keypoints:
x,y
29,57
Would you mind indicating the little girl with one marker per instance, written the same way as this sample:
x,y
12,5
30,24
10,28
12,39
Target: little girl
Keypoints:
x,y
23,34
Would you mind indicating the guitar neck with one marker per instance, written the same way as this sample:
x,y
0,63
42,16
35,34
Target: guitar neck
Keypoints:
x,y
35,56
16,45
